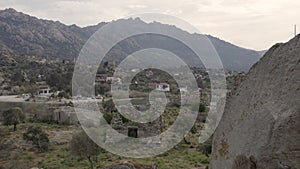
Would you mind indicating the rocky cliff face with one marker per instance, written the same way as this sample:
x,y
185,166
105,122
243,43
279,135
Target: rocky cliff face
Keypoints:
x,y
260,128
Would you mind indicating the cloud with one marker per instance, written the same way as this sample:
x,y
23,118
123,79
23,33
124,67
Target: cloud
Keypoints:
x,y
136,6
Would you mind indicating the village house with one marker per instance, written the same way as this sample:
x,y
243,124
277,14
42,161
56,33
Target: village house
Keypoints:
x,y
164,87
149,73
116,80
183,90
198,76
44,90
136,70
101,79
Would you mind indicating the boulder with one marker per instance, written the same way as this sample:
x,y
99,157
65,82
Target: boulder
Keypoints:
x,y
260,125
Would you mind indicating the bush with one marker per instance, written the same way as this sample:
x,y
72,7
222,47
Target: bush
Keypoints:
x,y
202,108
64,95
37,136
108,117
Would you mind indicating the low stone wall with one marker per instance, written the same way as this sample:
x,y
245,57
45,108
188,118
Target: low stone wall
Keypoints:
x,y
41,111
65,115
8,105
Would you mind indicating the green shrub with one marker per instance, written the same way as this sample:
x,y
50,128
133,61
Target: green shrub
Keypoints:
x,y
108,117
202,108
37,136
64,95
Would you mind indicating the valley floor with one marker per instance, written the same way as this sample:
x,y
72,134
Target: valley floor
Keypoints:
x,y
16,153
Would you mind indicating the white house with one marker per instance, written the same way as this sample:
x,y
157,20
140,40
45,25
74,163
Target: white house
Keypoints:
x,y
44,91
165,87
116,80
183,90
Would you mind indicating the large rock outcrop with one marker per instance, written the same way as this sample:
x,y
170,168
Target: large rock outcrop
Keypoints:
x,y
260,128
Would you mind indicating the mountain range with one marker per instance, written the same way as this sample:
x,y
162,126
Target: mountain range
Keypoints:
x,y
25,35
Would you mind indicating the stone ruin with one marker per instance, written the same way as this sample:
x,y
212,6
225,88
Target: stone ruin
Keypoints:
x,y
140,130
116,122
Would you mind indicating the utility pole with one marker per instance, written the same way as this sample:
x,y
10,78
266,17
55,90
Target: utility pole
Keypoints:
x,y
295,30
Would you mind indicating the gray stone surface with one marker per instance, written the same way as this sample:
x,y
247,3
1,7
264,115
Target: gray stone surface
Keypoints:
x,y
65,115
260,127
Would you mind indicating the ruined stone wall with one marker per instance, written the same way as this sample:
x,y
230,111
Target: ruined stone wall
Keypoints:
x,y
41,111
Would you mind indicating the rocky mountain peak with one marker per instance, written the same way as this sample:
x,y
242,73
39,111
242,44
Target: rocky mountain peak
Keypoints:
x,y
10,10
12,14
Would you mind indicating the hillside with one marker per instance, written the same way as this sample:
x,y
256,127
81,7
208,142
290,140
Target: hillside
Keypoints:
x,y
26,35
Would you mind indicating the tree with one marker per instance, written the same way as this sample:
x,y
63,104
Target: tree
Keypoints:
x,y
14,117
17,78
63,95
109,106
38,137
32,89
83,147
102,89
202,108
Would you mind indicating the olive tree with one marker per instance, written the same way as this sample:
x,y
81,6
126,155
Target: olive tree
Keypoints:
x,y
83,147
37,136
13,117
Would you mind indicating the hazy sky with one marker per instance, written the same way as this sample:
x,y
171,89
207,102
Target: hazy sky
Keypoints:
x,y
254,24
